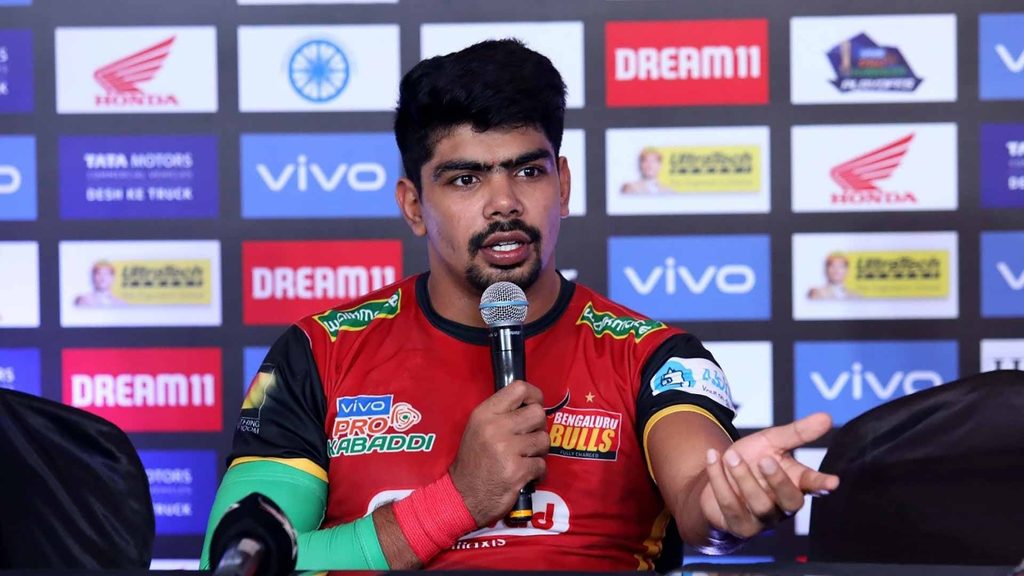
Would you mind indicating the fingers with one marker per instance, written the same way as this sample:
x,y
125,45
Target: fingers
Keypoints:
x,y
513,396
800,432
758,500
528,418
788,496
535,443
817,483
737,518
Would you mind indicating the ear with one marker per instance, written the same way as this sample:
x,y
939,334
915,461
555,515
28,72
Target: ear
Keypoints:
x,y
408,199
564,185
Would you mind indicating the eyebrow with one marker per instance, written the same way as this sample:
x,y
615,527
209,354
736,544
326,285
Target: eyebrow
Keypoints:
x,y
476,166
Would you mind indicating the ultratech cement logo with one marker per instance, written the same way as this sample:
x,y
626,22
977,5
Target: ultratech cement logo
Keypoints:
x,y
857,177
376,424
898,274
588,434
147,389
283,281
687,62
617,326
355,319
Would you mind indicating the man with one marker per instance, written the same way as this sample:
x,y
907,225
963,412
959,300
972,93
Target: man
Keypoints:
x,y
103,285
837,267
378,431
650,166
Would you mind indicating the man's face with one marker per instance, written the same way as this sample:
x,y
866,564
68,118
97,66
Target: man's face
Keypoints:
x,y
491,205
650,165
103,278
836,270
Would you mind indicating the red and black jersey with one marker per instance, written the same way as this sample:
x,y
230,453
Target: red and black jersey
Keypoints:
x,y
375,396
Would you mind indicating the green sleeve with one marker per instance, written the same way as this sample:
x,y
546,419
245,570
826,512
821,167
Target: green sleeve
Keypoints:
x,y
303,498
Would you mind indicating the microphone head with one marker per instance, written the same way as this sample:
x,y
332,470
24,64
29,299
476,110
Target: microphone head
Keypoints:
x,y
503,304
257,518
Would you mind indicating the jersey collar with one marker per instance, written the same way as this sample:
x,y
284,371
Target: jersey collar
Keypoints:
x,y
475,335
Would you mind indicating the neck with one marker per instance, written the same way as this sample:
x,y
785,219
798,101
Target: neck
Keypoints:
x,y
460,303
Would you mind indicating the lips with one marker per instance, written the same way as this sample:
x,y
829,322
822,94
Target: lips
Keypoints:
x,y
506,248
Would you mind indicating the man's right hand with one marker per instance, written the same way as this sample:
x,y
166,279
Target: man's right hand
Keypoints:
x,y
502,449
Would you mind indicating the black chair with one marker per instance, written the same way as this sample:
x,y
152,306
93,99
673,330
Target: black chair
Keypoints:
x,y
73,492
936,477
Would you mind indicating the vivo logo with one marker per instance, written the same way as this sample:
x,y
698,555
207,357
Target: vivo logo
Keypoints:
x,y
856,377
10,179
361,176
1015,281
729,278
364,405
1014,64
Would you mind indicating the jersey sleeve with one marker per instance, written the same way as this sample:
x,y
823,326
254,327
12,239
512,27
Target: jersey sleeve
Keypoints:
x,y
681,375
283,412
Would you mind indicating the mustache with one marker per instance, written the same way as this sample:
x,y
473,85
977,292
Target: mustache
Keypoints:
x,y
476,243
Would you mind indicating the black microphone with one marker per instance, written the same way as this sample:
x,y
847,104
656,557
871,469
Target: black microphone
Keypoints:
x,y
503,306
254,538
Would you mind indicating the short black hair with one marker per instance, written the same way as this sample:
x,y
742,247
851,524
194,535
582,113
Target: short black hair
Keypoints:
x,y
493,84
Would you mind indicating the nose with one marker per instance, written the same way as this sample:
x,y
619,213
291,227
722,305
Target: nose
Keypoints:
x,y
503,201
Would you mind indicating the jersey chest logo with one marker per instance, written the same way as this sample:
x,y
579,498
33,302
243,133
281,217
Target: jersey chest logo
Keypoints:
x,y
368,424
585,433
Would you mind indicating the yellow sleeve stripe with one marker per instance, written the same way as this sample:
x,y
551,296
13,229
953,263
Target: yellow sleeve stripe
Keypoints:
x,y
672,410
304,464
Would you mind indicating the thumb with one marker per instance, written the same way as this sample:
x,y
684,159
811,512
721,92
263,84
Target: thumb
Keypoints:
x,y
799,432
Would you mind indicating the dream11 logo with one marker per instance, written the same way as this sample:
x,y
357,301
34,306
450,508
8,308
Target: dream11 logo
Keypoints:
x,y
686,62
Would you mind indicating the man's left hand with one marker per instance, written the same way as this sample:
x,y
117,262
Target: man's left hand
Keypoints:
x,y
757,483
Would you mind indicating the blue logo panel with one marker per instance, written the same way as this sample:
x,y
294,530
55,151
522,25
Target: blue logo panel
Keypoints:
x,y
182,484
847,379
15,2
1001,56
19,370
1002,274
18,196
138,177
692,277
1002,165
350,175
17,84
252,358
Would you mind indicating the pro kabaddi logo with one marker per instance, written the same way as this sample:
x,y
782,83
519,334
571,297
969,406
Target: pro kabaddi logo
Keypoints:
x,y
376,424
358,318
618,327
861,65
120,80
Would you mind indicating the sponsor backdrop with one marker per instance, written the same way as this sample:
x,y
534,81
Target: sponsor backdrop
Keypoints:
x,y
830,194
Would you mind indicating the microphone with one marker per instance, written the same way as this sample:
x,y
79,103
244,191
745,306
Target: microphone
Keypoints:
x,y
503,306
254,538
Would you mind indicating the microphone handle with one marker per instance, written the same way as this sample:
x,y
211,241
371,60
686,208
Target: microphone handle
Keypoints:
x,y
241,558
508,355
508,362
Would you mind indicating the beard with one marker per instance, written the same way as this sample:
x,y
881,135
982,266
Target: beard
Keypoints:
x,y
524,274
